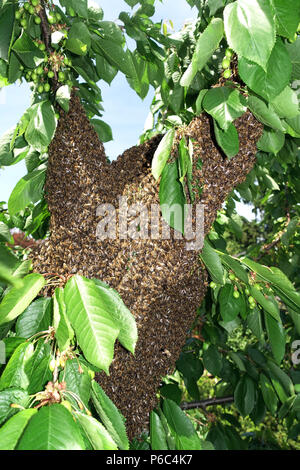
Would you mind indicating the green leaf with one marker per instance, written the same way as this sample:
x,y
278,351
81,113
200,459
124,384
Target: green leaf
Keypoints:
x,y
36,318
162,153
250,29
266,303
233,263
172,197
287,16
63,330
229,306
37,368
14,375
205,47
271,141
6,155
91,319
121,315
52,428
79,39
254,322
244,395
181,427
8,266
136,71
114,54
12,430
78,380
294,53
286,103
29,54
276,337
269,394
29,190
63,96
103,130
110,416
96,433
281,381
7,13
228,140
213,263
95,12
80,7
41,127
224,105
13,396
280,283
264,114
173,392
18,299
271,82
157,433
212,360
104,69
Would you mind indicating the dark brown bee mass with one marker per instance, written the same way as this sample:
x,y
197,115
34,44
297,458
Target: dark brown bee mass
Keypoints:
x,y
159,280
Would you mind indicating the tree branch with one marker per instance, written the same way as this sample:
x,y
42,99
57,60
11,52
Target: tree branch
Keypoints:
x,y
207,402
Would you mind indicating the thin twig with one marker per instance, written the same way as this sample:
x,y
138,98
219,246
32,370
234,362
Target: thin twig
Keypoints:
x,y
208,402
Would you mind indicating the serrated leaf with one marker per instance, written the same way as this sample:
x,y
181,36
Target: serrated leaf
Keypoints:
x,y
90,317
96,433
36,318
52,428
224,105
110,416
250,29
205,47
121,315
213,263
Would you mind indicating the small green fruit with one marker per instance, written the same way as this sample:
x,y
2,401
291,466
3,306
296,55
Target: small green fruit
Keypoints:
x,y
251,299
18,15
61,76
227,73
40,88
35,3
58,17
52,365
50,74
91,374
34,76
57,115
51,19
42,47
26,6
37,20
40,70
226,63
229,53
47,87
232,277
31,10
236,294
24,23
70,83
212,285
257,286
247,292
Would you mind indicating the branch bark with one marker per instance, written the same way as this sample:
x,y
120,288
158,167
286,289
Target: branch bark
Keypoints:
x,y
207,402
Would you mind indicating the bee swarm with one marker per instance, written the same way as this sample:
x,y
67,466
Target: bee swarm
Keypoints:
x,y
159,280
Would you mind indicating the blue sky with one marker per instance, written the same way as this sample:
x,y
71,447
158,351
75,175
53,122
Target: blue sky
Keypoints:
x,y
125,112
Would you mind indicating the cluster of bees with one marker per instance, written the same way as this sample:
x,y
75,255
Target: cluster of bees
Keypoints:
x,y
159,280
